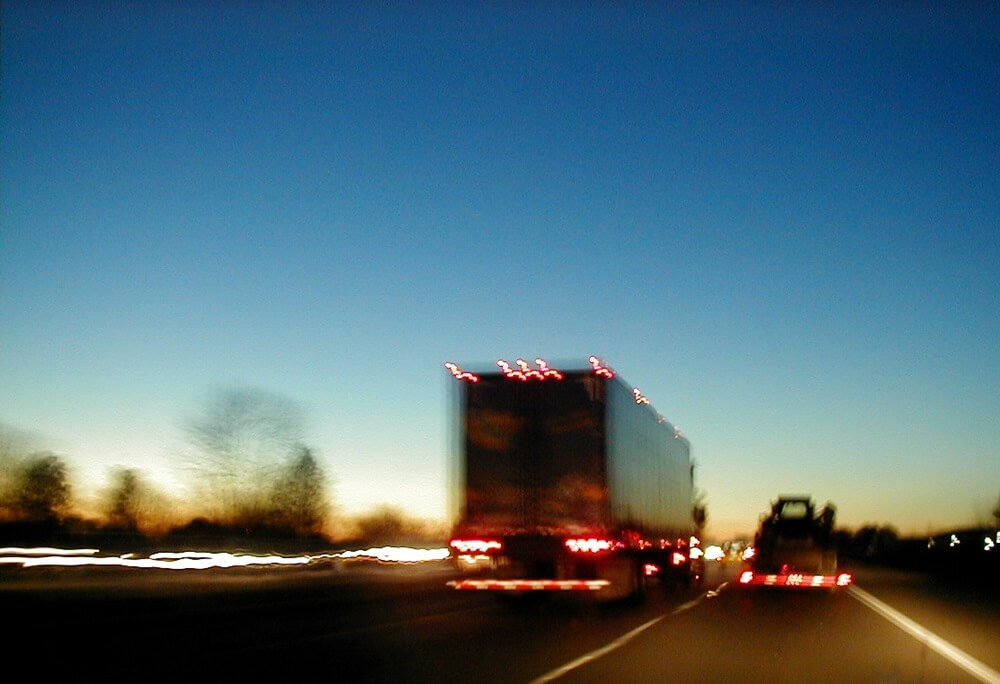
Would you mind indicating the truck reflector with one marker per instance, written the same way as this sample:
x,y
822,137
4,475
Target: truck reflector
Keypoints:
x,y
528,585
795,580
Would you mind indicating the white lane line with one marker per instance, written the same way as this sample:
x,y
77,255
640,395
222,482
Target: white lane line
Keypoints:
x,y
977,669
611,646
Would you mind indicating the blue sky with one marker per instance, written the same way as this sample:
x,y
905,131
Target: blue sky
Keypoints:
x,y
781,222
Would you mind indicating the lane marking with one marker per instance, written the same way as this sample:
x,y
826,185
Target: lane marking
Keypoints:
x,y
976,668
613,645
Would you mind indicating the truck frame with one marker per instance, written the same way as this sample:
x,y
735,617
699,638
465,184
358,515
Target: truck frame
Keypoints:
x,y
568,481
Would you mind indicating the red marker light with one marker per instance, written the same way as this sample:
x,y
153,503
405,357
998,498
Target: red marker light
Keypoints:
x,y
524,372
600,368
461,374
546,371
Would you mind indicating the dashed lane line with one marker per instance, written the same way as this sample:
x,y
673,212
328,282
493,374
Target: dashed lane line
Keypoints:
x,y
614,645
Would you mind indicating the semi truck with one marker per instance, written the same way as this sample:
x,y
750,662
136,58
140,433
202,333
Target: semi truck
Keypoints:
x,y
567,481
794,547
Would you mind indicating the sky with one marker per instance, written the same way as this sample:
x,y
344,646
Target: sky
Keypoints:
x,y
780,221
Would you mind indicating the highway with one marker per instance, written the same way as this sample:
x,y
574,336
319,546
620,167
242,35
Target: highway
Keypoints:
x,y
377,623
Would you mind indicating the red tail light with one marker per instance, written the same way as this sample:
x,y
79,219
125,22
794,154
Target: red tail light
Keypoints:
x,y
746,577
677,558
466,546
589,545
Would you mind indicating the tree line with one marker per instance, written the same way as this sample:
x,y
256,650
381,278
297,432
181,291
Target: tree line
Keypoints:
x,y
248,470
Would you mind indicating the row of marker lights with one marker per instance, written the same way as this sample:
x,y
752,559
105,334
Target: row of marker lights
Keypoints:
x,y
526,372
543,372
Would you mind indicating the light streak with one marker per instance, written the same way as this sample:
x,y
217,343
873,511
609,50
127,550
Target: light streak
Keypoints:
x,y
199,560
46,551
393,554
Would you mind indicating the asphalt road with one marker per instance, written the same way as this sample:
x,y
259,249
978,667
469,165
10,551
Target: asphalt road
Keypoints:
x,y
372,623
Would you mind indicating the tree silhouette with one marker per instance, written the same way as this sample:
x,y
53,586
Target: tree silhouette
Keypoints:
x,y
131,503
249,456
44,493
699,512
300,494
124,504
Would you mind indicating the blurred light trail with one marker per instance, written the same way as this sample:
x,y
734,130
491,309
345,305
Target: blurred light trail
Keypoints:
x,y
184,561
395,554
198,560
45,551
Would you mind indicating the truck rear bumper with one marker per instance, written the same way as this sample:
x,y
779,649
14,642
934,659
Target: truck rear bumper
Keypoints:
x,y
795,580
528,585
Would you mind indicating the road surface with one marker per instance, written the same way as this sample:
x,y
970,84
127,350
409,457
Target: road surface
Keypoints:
x,y
373,623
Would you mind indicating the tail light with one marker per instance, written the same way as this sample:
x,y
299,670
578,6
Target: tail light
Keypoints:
x,y
589,545
677,558
746,577
476,546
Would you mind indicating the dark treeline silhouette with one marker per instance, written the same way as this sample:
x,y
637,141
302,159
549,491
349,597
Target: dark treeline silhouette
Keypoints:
x,y
253,483
967,555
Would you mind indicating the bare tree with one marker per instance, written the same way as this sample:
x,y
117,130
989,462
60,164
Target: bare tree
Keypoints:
x,y
300,494
699,512
131,503
124,500
44,492
250,460
15,447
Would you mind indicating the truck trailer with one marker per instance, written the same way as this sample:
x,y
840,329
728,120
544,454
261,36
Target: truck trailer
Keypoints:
x,y
794,548
568,481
